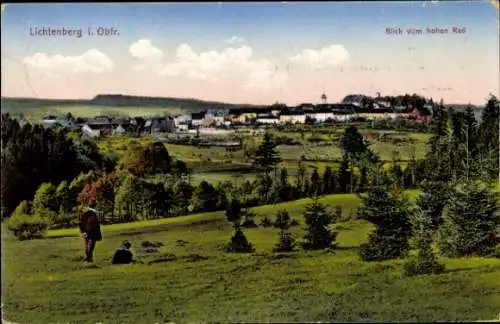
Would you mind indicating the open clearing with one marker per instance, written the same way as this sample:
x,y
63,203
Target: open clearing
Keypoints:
x,y
44,281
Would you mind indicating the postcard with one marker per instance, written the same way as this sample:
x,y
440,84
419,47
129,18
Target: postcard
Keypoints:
x,y
250,162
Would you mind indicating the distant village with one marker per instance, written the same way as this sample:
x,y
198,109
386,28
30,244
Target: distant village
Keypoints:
x,y
351,108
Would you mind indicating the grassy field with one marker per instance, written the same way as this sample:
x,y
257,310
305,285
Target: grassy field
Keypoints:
x,y
216,164
44,281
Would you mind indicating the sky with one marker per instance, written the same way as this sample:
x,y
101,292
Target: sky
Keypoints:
x,y
257,53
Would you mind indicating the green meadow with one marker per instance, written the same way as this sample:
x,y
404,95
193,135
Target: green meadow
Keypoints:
x,y
190,279
216,164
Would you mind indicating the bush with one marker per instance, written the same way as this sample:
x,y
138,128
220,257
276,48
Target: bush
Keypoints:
x,y
495,253
27,227
282,219
286,242
315,139
419,266
266,222
239,243
380,248
294,222
64,220
248,221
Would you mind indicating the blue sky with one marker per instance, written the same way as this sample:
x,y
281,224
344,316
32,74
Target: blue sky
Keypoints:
x,y
274,32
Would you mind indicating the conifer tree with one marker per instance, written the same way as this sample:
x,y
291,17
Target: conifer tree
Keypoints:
x,y
433,199
471,223
238,243
329,181
315,188
425,261
488,137
387,208
267,157
286,242
318,221
282,219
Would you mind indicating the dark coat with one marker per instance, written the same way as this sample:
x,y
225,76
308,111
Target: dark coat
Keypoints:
x,y
122,256
89,224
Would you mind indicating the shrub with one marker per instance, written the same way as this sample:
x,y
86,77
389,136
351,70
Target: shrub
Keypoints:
x,y
64,219
239,243
27,227
495,253
248,221
286,242
266,221
420,266
282,219
315,139
294,222
383,247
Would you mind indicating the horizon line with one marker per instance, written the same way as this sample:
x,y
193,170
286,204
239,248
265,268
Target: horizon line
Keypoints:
x,y
222,102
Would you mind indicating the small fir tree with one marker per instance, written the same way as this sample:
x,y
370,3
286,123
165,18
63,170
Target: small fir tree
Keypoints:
x,y
386,207
238,243
318,221
425,261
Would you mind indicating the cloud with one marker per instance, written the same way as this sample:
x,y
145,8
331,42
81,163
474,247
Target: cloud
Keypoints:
x,y
230,65
265,80
330,56
92,61
143,50
235,39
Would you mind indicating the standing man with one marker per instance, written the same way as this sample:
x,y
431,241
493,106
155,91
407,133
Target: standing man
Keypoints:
x,y
91,232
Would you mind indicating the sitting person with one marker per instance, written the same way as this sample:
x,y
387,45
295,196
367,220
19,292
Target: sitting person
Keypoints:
x,y
123,255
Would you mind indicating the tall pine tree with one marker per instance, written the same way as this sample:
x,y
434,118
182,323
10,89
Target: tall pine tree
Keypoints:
x,y
388,209
471,223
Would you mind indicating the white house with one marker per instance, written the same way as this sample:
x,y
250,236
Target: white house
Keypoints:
x,y
119,130
183,119
87,130
268,120
182,127
343,117
211,131
197,122
293,119
383,103
211,119
321,117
